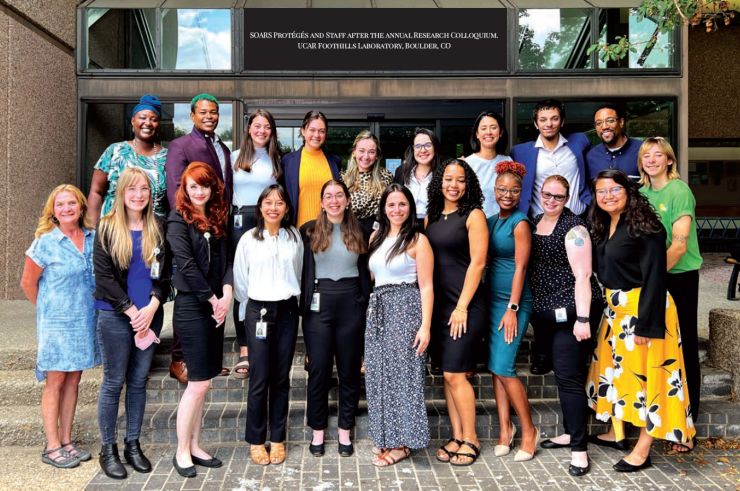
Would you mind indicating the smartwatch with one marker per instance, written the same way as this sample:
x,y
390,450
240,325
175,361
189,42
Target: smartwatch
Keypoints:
x,y
513,306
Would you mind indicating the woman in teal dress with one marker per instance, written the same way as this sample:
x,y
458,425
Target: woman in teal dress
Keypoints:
x,y
511,305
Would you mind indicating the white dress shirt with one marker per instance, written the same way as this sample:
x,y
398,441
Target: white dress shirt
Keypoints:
x,y
419,191
558,161
268,270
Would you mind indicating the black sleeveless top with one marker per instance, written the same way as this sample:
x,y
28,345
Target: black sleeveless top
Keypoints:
x,y
550,276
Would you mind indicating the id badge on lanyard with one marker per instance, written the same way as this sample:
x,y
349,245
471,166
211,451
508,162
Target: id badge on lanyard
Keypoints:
x,y
238,221
315,298
155,270
260,330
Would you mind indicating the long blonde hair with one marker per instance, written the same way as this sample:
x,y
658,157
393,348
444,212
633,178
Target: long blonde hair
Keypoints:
x,y
664,147
47,221
377,186
115,236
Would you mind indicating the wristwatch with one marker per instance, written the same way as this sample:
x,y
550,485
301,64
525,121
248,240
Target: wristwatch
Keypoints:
x,y
513,306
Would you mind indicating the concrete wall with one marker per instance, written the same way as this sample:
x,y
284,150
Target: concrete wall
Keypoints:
x,y
38,125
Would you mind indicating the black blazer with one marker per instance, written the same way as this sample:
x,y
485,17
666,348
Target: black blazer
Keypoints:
x,y
308,275
291,163
111,282
190,252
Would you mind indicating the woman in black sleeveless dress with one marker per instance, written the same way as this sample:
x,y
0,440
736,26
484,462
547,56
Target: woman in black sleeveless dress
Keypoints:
x,y
456,228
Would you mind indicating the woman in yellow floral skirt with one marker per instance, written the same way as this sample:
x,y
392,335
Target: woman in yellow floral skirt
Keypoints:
x,y
637,375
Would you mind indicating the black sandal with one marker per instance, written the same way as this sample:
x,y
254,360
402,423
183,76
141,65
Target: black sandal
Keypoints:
x,y
448,452
472,456
682,447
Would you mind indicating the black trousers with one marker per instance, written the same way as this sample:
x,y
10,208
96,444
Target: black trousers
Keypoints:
x,y
270,361
684,288
249,221
336,331
570,360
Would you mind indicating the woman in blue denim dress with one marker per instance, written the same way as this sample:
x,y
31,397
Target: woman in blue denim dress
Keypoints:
x,y
58,279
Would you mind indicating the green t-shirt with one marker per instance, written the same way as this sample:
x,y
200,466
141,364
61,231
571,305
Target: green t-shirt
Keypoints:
x,y
672,202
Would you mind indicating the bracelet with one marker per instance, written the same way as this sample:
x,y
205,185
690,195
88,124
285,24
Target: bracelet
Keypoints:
x,y
580,318
463,311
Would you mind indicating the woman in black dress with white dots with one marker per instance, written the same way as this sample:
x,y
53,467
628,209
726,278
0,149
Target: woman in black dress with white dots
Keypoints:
x,y
567,305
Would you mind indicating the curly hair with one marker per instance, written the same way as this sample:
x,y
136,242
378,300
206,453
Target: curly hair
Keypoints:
x,y
512,168
639,214
216,214
471,199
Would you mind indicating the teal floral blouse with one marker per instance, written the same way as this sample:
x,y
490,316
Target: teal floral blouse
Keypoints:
x,y
120,155
65,312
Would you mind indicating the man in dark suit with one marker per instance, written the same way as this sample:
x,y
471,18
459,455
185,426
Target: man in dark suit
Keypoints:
x,y
202,144
552,153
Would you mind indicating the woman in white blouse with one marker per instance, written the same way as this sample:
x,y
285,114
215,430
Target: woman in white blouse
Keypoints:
x,y
267,282
256,166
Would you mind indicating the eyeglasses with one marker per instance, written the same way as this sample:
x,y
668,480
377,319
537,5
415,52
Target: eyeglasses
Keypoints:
x,y
610,121
616,190
513,191
338,196
423,146
557,197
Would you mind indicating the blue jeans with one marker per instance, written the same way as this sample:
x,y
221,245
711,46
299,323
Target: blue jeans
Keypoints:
x,y
123,363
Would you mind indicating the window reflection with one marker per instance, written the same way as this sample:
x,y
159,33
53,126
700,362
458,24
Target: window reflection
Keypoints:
x,y
644,118
122,39
196,39
653,50
554,39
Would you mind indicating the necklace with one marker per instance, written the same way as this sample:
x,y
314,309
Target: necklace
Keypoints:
x,y
445,215
136,149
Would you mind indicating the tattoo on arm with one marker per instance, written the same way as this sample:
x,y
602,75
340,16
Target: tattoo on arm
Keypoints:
x,y
577,236
681,238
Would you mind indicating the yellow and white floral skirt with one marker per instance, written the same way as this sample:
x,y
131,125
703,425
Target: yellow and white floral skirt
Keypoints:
x,y
643,385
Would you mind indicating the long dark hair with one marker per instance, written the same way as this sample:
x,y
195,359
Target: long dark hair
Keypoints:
x,y
408,159
284,223
639,214
246,150
469,201
320,232
503,139
408,234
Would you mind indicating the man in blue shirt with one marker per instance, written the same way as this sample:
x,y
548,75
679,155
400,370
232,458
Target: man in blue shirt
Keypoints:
x,y
617,150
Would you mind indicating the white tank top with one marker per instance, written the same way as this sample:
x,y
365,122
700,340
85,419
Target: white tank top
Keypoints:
x,y
400,269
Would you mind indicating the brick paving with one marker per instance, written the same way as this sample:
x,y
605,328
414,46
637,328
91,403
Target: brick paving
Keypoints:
x,y
703,469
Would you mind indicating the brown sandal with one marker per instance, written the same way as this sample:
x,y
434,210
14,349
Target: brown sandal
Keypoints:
x,y
387,458
277,453
258,454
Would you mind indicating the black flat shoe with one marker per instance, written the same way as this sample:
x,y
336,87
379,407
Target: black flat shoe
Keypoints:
x,y
212,462
184,471
346,450
316,450
540,368
624,466
551,444
620,445
576,471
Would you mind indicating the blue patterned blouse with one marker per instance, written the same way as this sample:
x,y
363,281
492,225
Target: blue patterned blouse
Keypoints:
x,y
65,313
120,155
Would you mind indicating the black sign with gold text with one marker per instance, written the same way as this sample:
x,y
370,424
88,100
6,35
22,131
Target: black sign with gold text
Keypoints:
x,y
372,40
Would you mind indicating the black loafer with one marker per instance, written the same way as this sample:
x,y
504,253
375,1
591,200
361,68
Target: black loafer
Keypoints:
x,y
184,471
316,450
624,466
622,445
346,450
540,368
212,462
576,471
551,444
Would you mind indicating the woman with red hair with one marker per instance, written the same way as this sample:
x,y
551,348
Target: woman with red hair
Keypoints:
x,y
196,232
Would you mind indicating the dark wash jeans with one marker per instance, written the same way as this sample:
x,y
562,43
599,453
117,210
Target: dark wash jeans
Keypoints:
x,y
123,363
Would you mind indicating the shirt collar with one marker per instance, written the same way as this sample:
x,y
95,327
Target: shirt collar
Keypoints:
x,y
561,141
215,137
59,236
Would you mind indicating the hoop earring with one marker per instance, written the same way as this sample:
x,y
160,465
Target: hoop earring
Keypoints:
x,y
55,219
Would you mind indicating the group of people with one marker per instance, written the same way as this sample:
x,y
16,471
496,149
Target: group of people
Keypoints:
x,y
451,258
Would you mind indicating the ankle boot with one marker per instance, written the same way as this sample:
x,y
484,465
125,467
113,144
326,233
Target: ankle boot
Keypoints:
x,y
110,462
134,456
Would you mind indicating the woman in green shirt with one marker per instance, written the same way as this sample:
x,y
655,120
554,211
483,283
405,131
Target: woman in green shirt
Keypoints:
x,y
673,200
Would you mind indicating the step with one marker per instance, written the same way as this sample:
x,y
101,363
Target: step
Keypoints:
x,y
20,388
